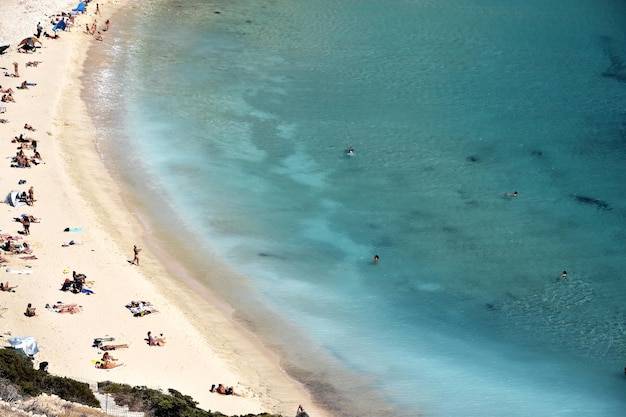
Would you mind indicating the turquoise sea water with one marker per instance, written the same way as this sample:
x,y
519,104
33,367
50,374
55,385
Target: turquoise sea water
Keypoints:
x,y
240,152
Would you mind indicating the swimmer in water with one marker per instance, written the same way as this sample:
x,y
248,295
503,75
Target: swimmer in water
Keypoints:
x,y
350,151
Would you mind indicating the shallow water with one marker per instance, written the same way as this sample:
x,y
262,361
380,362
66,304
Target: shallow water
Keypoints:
x,y
242,148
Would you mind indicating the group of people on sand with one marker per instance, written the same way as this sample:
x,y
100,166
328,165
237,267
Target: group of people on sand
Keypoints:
x,y
141,308
93,29
21,160
108,362
10,247
75,284
221,389
27,197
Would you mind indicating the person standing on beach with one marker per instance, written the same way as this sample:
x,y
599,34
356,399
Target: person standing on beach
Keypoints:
x,y
26,224
31,196
39,30
136,251
16,69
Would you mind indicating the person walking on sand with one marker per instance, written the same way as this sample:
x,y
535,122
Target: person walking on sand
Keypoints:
x,y
16,69
31,196
97,8
26,223
136,251
301,412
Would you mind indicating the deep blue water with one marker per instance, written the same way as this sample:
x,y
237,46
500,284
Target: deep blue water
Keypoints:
x,y
232,130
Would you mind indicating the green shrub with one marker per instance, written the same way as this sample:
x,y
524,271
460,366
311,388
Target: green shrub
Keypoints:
x,y
31,382
155,403
70,390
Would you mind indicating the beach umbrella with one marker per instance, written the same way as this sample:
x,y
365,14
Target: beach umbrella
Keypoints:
x,y
28,43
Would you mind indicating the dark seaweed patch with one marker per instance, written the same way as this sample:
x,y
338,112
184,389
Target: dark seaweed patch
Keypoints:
x,y
590,201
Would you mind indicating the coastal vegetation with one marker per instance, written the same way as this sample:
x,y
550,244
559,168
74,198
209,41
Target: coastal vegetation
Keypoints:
x,y
19,381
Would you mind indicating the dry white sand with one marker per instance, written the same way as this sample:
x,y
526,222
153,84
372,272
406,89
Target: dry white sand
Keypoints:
x,y
72,189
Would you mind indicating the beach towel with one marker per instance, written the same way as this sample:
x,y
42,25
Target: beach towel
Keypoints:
x,y
20,271
73,229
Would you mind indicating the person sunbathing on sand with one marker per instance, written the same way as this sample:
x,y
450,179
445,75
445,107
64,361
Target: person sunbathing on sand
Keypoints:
x,y
113,347
107,357
6,90
30,218
23,249
6,287
66,308
221,389
155,341
8,98
28,127
30,311
32,63
107,365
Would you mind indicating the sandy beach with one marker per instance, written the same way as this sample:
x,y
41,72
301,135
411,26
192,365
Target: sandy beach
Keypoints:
x,y
73,190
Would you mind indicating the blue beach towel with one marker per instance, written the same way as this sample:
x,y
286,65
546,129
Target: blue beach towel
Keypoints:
x,y
73,229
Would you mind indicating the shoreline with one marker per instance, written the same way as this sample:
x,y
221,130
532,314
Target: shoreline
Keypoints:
x,y
73,166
